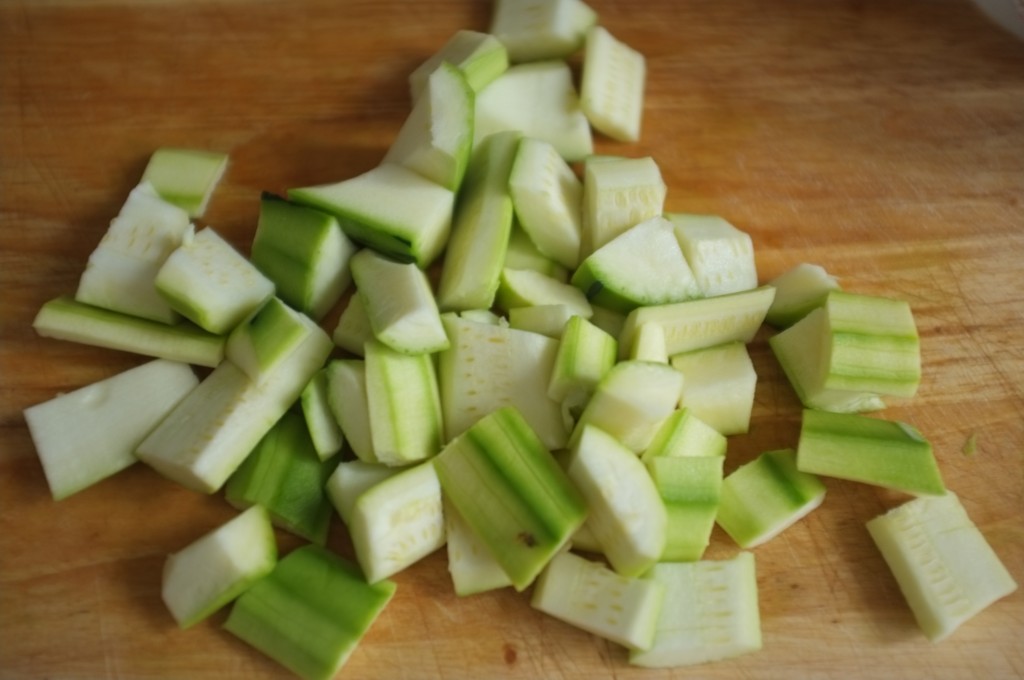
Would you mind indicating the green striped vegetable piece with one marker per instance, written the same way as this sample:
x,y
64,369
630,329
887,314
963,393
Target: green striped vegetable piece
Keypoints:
x,y
310,612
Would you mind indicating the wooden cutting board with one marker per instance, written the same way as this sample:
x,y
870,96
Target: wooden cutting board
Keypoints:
x,y
883,140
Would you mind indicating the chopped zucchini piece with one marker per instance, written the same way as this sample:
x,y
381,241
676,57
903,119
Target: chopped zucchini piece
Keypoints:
x,y
185,177
310,612
720,383
870,450
721,256
596,599
480,56
304,252
612,88
765,497
945,568
798,291
89,434
64,318
710,613
216,568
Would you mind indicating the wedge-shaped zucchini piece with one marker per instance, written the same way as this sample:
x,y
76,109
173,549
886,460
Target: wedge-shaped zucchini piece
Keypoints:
x,y
847,354
304,252
353,330
489,366
546,195
285,475
512,493
696,324
89,434
798,291
185,177
710,613
596,599
399,304
526,288
404,405
268,338
721,256
649,344
210,283
641,266
720,383
323,427
945,568
479,241
472,566
870,450
585,355
397,522
618,193
480,56
541,29
122,269
766,496
632,401
351,479
310,612
612,88
539,100
211,431
64,318
213,570
347,397
390,208
436,138
627,516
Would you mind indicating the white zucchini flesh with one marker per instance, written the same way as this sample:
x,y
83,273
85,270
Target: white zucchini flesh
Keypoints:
x,y
210,283
618,193
612,88
546,195
353,330
627,515
710,613
632,401
347,397
527,288
216,568
121,272
720,383
532,30
642,266
490,366
397,522
399,303
436,138
945,567
798,291
91,433
596,599
539,100
721,256
211,431
350,479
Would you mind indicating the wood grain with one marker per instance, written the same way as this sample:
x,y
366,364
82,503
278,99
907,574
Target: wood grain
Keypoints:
x,y
883,140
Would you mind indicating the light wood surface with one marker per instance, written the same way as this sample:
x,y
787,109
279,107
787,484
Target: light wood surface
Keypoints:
x,y
883,140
